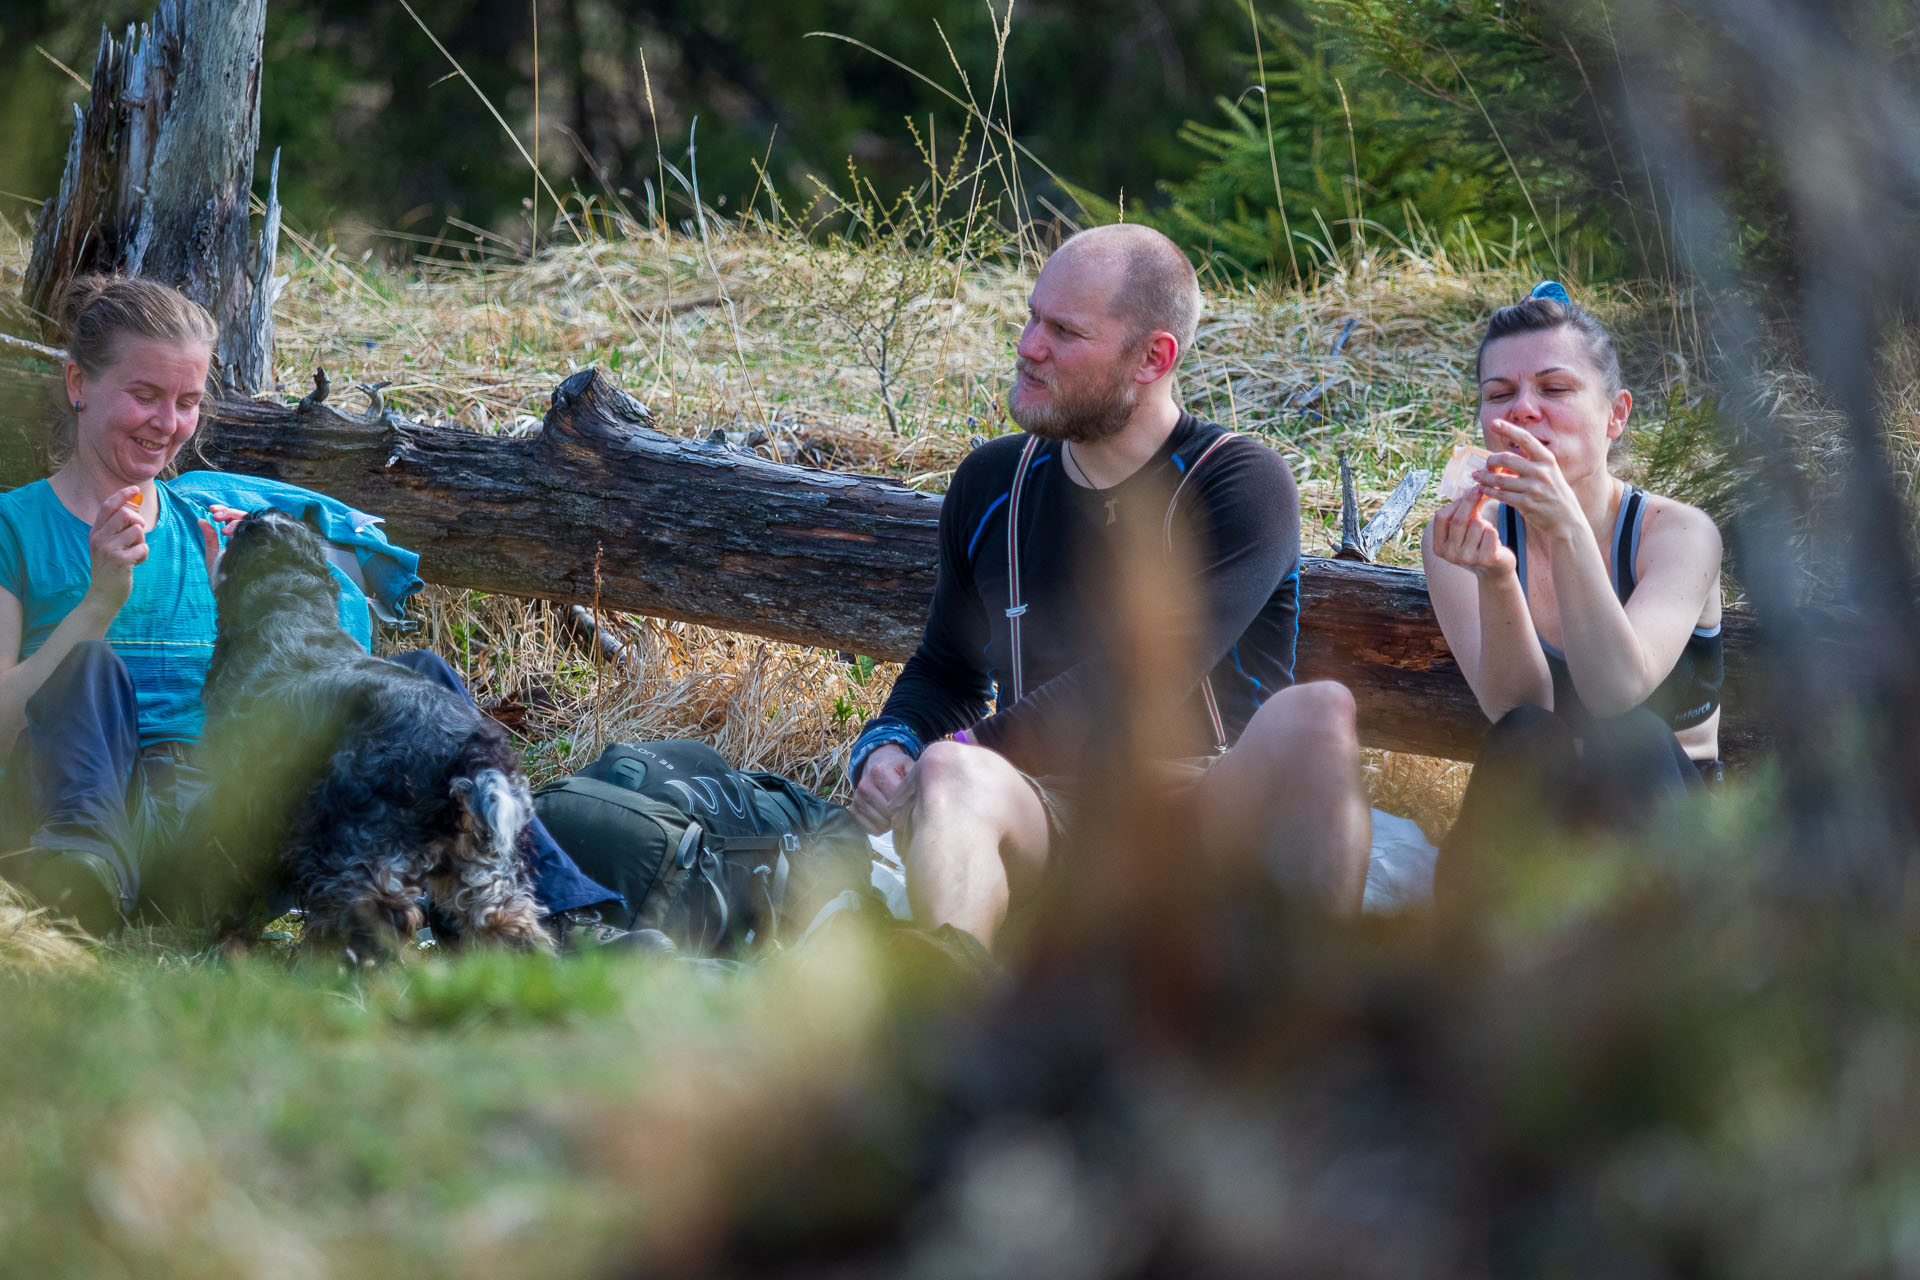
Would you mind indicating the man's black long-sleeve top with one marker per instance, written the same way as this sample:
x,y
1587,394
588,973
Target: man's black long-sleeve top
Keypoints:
x,y
1237,567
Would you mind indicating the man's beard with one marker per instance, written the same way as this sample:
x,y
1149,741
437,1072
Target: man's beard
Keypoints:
x,y
1088,418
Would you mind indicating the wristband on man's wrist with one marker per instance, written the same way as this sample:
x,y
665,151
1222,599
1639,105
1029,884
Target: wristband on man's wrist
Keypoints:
x,y
877,736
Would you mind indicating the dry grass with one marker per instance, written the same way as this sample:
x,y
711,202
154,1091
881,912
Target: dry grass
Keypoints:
x,y
1425,788
1814,425
31,941
739,324
733,332
762,704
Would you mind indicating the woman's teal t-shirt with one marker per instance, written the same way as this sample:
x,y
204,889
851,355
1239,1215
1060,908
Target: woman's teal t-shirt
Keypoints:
x,y
164,632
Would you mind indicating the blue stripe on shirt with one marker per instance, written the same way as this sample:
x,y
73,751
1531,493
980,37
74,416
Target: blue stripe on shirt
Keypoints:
x,y
982,527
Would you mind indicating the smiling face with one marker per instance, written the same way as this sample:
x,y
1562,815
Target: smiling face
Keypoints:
x,y
138,410
1074,378
1545,381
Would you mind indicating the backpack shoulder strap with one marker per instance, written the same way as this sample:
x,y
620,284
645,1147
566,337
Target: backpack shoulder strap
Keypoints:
x,y
1174,502
1016,607
1206,681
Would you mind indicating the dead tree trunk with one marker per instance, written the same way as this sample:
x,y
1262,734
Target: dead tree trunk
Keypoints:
x,y
159,175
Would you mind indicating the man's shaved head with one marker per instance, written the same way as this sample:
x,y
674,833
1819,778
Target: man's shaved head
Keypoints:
x,y
1158,289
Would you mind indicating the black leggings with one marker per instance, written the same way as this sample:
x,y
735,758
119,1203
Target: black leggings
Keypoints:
x,y
1530,779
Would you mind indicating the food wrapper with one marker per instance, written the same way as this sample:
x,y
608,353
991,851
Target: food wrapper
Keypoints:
x,y
1458,476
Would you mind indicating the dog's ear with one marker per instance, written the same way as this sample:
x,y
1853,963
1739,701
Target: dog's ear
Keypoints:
x,y
497,806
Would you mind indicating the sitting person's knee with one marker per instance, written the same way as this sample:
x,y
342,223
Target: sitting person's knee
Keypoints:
x,y
1328,704
1526,738
95,656
951,775
1319,717
950,766
1523,720
90,664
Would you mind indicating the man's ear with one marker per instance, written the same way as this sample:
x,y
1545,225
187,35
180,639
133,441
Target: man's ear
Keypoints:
x,y
1158,354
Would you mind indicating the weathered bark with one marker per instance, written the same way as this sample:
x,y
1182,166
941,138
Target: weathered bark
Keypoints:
x,y
159,174
707,533
677,528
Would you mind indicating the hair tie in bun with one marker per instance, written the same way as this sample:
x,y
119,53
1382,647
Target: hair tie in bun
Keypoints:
x,y
1552,289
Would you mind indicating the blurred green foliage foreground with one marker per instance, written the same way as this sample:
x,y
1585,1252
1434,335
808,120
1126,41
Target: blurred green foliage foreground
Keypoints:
x,y
1641,1061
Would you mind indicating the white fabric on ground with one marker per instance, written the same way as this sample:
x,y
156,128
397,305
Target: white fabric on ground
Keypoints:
x,y
890,876
1400,867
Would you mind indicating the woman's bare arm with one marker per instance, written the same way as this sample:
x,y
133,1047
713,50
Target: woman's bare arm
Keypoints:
x,y
19,680
1618,655
1475,588
116,543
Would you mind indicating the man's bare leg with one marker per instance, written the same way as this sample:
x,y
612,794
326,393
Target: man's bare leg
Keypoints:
x,y
972,833
1289,798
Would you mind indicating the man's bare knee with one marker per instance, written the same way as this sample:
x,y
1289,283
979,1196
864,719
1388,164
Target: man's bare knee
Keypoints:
x,y
952,778
1316,721
981,789
950,770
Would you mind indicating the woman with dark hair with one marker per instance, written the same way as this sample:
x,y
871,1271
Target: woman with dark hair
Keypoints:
x,y
107,616
1584,613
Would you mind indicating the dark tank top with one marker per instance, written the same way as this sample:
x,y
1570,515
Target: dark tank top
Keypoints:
x,y
1691,691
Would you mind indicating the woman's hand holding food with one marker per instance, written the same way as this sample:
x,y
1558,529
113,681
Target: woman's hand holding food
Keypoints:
x,y
1463,535
117,542
1526,477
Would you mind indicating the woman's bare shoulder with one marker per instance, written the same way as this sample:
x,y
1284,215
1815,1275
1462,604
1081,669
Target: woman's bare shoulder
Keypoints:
x,y
1673,521
1682,540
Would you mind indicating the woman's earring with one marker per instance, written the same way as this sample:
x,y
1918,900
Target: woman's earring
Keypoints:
x,y
79,404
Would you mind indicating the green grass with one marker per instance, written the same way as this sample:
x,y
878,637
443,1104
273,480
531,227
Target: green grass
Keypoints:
x,y
221,1110
1655,1032
442,1117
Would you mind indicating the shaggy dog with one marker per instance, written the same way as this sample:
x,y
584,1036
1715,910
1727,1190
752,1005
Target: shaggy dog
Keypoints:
x,y
358,784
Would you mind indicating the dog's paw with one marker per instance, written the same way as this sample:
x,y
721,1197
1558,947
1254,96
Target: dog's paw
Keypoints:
x,y
517,925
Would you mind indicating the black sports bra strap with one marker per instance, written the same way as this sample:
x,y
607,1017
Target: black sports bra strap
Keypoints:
x,y
1625,535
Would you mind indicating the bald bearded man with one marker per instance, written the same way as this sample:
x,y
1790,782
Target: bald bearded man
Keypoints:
x,y
988,796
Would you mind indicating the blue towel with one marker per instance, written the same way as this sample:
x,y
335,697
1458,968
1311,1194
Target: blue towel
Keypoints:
x,y
376,574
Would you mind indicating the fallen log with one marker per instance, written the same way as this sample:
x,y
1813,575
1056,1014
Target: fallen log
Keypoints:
x,y
708,533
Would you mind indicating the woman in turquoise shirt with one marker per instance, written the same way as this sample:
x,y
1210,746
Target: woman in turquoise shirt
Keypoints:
x,y
107,616
80,629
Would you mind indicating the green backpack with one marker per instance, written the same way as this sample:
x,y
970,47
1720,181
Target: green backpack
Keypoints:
x,y
720,860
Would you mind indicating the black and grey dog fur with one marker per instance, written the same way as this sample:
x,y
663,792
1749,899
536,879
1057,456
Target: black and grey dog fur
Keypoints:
x,y
359,785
